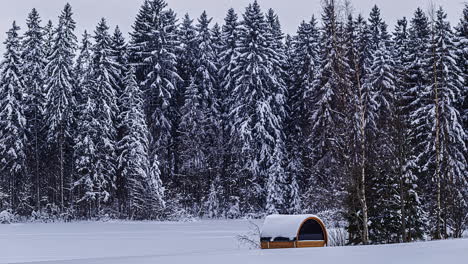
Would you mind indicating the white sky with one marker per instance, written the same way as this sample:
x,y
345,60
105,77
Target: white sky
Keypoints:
x,y
122,12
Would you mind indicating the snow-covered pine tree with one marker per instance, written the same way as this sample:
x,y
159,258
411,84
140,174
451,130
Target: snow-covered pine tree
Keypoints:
x,y
293,168
185,58
140,170
303,71
13,142
104,82
212,203
60,104
257,99
276,43
217,40
157,197
192,152
277,189
221,138
412,214
276,182
198,127
32,67
48,38
416,79
229,52
329,117
462,52
83,67
439,126
152,52
226,61
356,37
384,200
274,29
375,27
186,51
86,189
119,54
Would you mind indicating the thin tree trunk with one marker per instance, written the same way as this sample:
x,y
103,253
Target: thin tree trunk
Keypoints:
x,y
404,236
402,157
362,178
438,234
362,191
61,172
38,180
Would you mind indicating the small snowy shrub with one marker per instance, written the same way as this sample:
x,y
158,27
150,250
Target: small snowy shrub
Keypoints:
x,y
7,217
234,208
337,237
251,239
40,216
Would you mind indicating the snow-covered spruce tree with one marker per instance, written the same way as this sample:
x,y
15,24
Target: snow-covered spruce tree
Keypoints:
x,y
217,40
104,77
357,55
412,214
193,154
48,39
140,171
226,61
83,67
207,78
303,69
274,29
186,51
439,126
152,52
276,182
119,54
258,98
416,74
13,142
60,104
185,60
221,137
462,52
229,52
384,200
198,125
212,203
329,117
33,64
375,28
86,189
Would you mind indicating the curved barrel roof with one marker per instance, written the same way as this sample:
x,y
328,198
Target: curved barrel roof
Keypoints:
x,y
286,226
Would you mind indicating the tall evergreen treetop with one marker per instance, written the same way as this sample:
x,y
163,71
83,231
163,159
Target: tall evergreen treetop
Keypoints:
x,y
34,61
60,83
12,121
153,53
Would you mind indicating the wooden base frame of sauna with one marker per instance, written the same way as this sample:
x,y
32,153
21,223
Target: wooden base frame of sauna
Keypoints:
x,y
292,244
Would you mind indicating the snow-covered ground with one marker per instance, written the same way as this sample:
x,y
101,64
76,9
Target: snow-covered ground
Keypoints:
x,y
194,242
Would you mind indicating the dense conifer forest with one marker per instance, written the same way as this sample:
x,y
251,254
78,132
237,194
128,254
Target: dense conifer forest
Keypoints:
x,y
360,123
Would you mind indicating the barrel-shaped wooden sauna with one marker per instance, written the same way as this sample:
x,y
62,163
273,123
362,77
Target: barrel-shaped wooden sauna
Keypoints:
x,y
293,231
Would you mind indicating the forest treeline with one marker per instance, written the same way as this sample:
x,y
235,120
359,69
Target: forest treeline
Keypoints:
x,y
188,118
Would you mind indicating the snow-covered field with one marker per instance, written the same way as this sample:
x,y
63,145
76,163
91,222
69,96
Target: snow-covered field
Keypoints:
x,y
194,242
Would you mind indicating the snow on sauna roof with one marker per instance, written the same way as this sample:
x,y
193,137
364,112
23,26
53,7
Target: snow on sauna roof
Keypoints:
x,y
283,225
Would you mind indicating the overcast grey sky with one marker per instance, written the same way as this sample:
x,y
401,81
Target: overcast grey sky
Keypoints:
x,y
122,12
